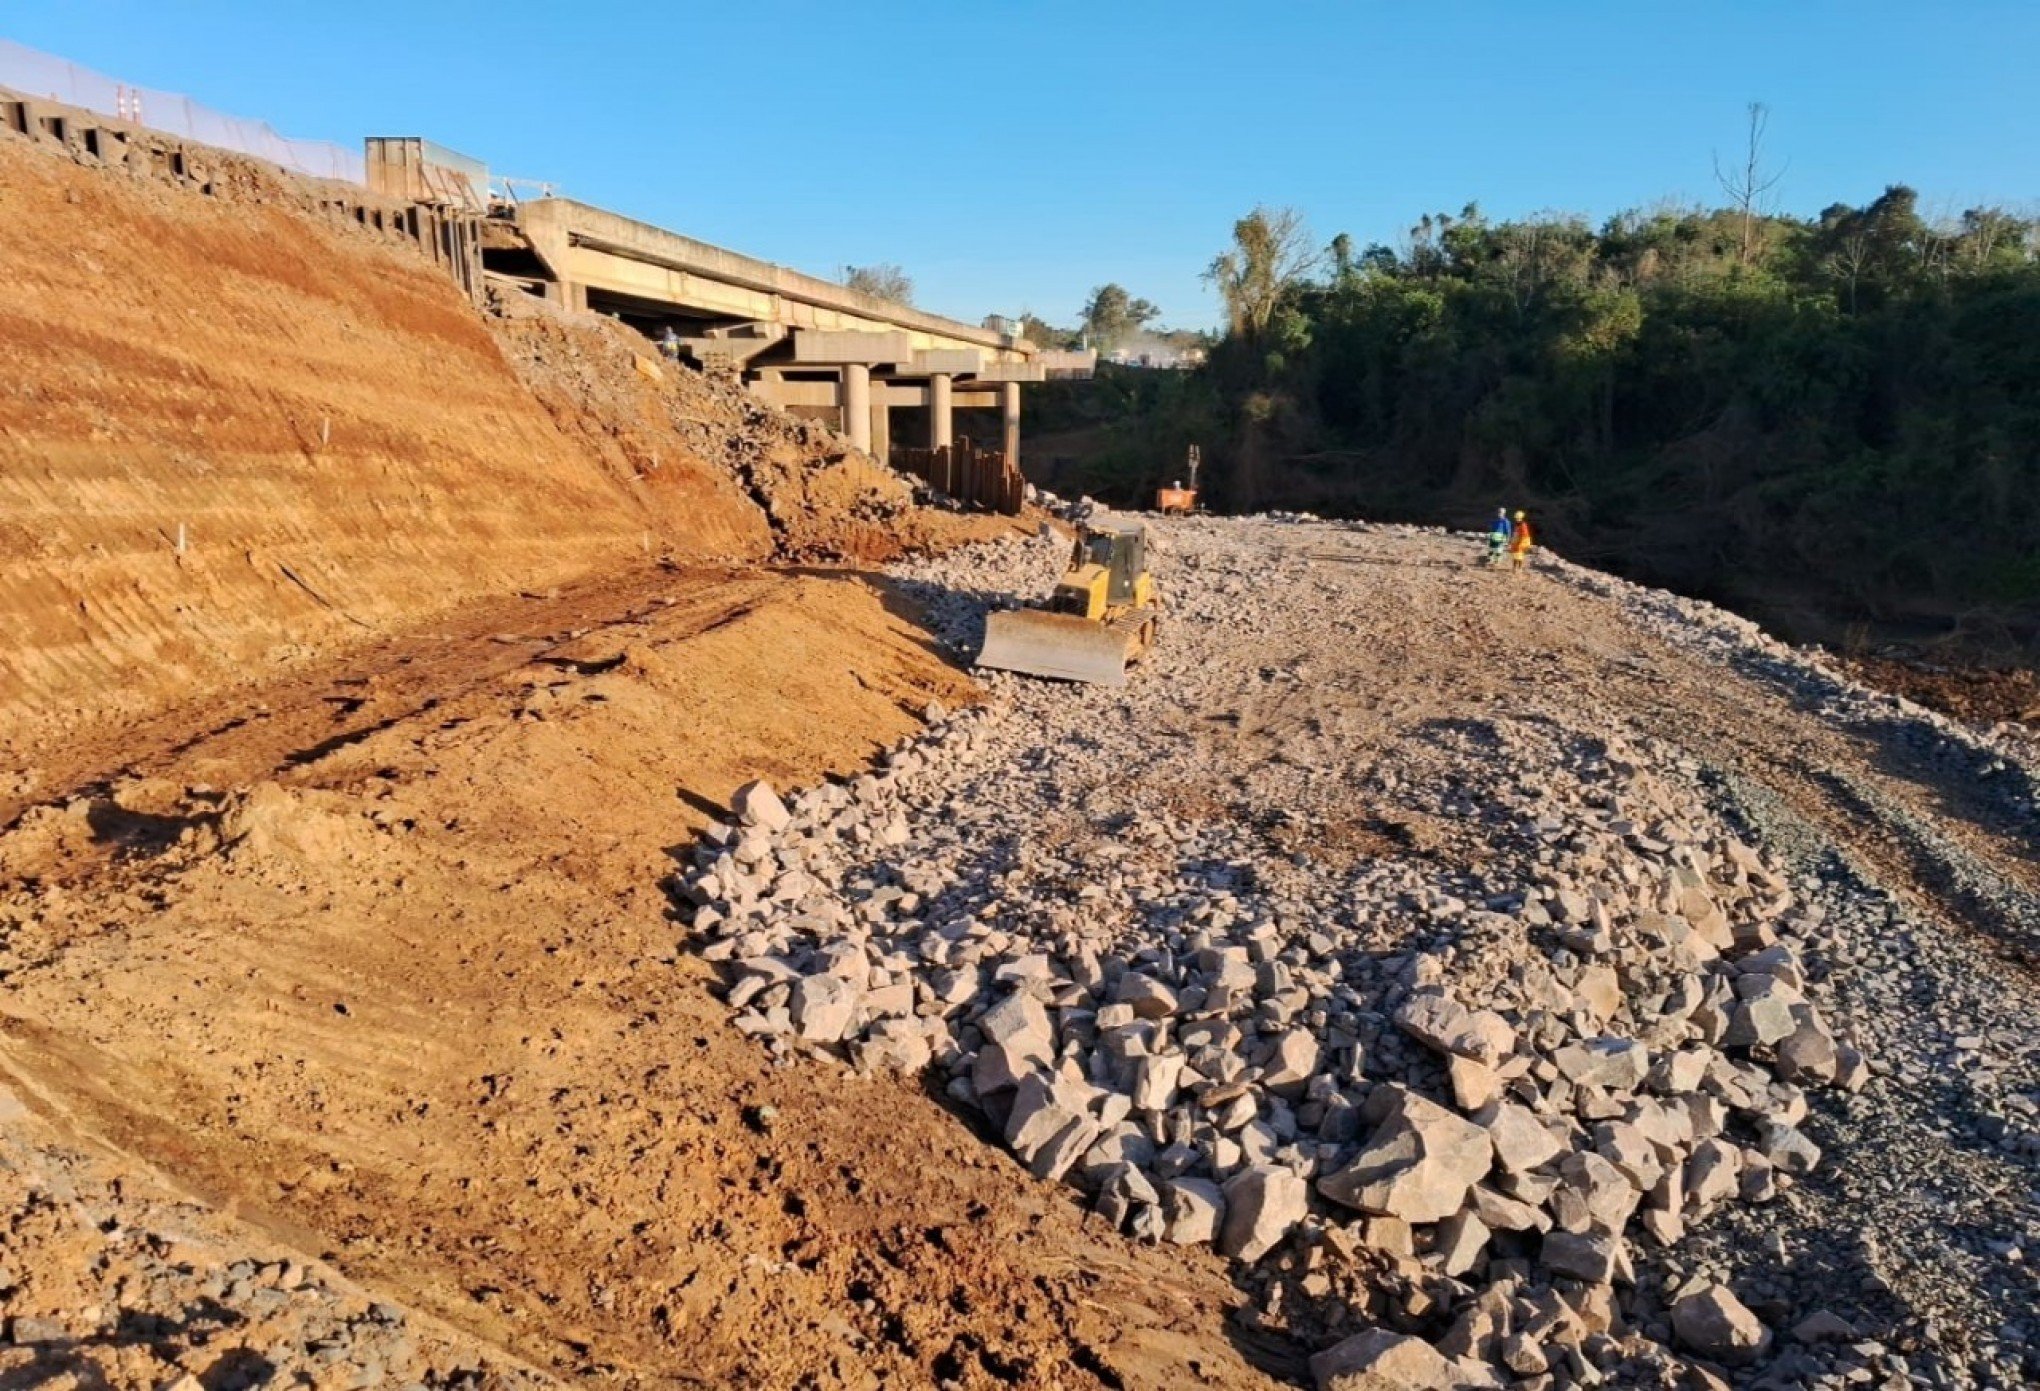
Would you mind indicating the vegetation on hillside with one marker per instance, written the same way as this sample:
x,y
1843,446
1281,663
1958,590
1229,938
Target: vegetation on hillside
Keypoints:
x,y
1838,413
1110,319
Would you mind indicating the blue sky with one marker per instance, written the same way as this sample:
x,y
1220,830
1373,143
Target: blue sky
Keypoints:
x,y
1012,156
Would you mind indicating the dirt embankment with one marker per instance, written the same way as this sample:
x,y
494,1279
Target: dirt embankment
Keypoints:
x,y
415,1004
1980,695
235,437
337,905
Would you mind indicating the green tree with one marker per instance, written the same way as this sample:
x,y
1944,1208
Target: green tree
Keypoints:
x,y
1842,410
1112,318
1271,252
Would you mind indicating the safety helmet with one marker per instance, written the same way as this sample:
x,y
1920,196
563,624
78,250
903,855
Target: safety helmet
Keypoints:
x,y
1519,516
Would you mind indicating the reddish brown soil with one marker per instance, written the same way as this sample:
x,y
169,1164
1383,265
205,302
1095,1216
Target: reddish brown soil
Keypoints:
x,y
415,1004
344,442
331,894
1977,694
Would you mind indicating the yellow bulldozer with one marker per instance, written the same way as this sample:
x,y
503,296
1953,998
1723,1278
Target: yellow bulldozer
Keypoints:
x,y
1100,619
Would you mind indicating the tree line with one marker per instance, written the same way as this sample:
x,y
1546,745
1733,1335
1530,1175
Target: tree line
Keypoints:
x,y
1840,412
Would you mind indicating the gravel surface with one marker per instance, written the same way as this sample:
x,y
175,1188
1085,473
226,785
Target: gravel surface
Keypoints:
x,y
1537,968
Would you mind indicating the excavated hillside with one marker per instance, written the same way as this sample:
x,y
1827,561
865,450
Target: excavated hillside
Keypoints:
x,y
236,437
1418,976
345,1038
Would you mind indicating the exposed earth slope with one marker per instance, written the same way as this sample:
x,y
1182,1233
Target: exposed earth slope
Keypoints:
x,y
1542,980
235,437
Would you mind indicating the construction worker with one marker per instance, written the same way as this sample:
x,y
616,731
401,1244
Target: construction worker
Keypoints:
x,y
1498,538
1520,541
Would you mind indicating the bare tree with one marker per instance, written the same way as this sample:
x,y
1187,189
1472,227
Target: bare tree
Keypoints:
x,y
886,281
1747,185
1849,259
1271,251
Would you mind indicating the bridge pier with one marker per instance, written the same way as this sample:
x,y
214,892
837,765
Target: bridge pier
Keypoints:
x,y
1009,421
881,424
941,410
567,294
855,399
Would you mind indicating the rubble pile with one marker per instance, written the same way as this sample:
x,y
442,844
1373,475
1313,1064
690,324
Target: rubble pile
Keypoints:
x,y
1449,1102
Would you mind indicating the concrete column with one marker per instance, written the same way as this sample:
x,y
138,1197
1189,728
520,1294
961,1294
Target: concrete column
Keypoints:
x,y
1009,417
941,417
856,403
881,429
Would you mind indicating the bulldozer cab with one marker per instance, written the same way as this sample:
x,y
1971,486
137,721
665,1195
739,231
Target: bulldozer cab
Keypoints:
x,y
1121,552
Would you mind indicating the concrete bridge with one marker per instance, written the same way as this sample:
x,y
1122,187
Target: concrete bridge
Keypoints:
x,y
805,344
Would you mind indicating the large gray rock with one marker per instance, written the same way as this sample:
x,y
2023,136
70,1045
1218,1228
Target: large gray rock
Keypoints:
x,y
1808,1053
824,1007
1195,1208
1502,1213
1595,1257
1788,1148
1613,1064
900,1045
1462,1240
1150,998
1474,1085
1713,1322
1439,1022
1417,1165
1296,1058
1763,1015
1521,1139
1261,1205
1381,1360
998,1068
1047,1129
1020,1024
1593,1194
1713,1173
1154,1081
756,804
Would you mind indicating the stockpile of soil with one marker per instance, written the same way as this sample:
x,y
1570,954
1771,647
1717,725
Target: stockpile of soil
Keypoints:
x,y
649,420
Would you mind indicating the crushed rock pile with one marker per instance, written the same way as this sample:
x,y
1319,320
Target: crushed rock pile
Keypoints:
x,y
1444,1107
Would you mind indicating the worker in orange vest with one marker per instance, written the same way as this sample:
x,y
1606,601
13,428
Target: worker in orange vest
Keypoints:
x,y
1520,541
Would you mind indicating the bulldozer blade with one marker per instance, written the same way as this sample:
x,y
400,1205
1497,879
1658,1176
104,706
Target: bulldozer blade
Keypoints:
x,y
1058,645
